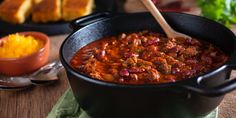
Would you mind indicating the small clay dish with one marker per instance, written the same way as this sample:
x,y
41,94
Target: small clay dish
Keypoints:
x,y
29,63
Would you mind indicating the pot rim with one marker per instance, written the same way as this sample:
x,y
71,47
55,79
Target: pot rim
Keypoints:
x,y
190,81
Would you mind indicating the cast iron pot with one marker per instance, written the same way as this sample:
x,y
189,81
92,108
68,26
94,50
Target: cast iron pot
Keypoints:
x,y
190,98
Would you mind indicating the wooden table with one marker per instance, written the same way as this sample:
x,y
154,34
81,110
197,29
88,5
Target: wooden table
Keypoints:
x,y
37,102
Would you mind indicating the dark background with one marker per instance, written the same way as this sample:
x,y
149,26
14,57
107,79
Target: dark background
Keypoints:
x,y
109,5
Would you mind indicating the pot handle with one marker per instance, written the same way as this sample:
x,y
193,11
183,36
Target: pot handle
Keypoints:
x,y
219,90
86,20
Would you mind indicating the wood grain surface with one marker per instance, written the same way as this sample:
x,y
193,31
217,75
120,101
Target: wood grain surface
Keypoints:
x,y
37,102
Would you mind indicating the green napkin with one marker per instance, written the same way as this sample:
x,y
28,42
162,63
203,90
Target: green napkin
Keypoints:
x,y
67,107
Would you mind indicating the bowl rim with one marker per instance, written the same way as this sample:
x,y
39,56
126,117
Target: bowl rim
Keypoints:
x,y
29,33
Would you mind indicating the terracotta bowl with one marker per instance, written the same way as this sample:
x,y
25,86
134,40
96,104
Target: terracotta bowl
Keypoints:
x,y
29,63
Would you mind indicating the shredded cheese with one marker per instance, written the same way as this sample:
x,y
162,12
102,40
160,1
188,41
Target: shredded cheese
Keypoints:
x,y
16,46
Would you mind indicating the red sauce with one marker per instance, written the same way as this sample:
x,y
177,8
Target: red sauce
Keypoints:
x,y
146,58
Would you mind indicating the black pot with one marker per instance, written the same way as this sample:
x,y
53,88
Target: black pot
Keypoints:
x,y
190,98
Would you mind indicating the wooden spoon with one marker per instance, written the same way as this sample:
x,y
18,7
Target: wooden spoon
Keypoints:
x,y
170,32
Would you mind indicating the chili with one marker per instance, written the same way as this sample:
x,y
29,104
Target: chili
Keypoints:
x,y
146,58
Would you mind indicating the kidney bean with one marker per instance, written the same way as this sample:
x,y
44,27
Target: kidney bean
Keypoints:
x,y
175,70
173,50
192,42
152,42
124,73
188,72
130,54
101,55
136,70
156,1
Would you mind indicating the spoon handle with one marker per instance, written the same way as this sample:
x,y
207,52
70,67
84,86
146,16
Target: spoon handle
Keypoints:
x,y
171,33
47,74
14,83
157,15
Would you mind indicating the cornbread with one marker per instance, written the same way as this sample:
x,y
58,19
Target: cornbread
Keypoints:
x,y
47,11
43,11
16,46
72,9
15,11
35,2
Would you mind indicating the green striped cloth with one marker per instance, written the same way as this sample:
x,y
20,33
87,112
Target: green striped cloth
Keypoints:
x,y
67,107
